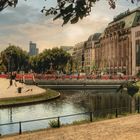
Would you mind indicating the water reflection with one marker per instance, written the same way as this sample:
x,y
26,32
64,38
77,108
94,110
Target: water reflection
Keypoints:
x,y
70,102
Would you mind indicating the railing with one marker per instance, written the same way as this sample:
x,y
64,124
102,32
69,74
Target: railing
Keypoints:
x,y
60,120
78,77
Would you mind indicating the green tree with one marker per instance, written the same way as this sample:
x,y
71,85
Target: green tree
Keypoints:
x,y
14,58
132,89
56,57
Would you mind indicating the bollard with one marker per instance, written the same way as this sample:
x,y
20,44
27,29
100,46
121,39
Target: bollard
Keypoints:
x,y
116,113
90,116
58,121
20,130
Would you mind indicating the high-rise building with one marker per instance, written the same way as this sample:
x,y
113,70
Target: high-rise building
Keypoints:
x,y
33,50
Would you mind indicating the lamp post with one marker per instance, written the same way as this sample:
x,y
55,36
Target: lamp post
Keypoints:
x,y
51,68
10,67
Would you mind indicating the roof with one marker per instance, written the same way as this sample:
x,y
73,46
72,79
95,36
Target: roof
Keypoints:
x,y
94,37
129,18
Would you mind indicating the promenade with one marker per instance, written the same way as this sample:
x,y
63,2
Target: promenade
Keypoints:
x,y
7,91
125,128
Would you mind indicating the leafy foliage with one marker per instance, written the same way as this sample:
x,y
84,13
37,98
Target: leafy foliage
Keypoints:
x,y
68,10
14,58
57,57
6,3
53,124
132,89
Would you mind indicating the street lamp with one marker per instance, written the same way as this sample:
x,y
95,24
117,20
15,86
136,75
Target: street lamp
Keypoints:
x,y
10,67
51,68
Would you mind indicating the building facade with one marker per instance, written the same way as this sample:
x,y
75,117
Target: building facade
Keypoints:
x,y
136,50
78,57
33,50
117,50
89,53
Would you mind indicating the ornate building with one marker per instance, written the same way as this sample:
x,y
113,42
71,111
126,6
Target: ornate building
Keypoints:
x,y
89,53
78,56
118,47
136,50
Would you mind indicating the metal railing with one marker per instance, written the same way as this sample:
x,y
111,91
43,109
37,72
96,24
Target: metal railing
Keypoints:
x,y
90,116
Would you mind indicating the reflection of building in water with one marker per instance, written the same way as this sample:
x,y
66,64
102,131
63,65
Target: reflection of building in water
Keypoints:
x,y
33,50
118,49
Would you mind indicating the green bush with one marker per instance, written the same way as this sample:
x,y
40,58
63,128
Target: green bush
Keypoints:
x,y
53,124
132,89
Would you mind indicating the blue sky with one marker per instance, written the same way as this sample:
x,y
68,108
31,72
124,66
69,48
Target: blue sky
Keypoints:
x,y
26,23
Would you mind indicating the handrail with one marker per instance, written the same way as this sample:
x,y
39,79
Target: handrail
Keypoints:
x,y
116,112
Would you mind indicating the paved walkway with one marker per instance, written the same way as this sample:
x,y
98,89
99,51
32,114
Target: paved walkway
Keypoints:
x,y
7,91
125,128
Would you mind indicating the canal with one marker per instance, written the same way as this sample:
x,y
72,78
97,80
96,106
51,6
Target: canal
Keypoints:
x,y
70,102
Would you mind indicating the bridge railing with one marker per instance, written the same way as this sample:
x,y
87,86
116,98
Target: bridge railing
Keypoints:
x,y
36,124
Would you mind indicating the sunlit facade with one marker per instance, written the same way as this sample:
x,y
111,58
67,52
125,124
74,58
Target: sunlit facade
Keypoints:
x,y
118,49
89,53
78,57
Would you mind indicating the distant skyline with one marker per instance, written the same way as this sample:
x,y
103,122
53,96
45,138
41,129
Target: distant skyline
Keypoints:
x,y
25,23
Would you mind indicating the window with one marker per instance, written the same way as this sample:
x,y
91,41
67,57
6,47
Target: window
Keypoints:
x,y
137,52
137,34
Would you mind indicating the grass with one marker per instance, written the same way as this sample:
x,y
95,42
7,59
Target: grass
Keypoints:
x,y
80,122
49,94
54,124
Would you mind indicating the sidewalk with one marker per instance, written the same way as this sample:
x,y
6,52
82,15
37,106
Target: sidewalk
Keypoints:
x,y
7,91
125,128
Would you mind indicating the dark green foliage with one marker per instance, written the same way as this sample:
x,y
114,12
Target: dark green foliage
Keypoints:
x,y
132,89
14,58
68,10
5,3
53,124
56,56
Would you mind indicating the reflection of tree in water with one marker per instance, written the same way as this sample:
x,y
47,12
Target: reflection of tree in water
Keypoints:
x,y
96,100
101,101
93,100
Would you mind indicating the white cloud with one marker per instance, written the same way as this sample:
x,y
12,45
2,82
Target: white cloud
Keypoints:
x,y
25,23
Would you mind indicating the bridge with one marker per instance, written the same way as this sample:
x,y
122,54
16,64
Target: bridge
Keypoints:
x,y
79,84
82,87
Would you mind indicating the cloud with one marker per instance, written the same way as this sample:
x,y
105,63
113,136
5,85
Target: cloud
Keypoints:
x,y
25,23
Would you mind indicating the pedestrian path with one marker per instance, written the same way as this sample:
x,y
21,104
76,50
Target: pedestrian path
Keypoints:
x,y
125,128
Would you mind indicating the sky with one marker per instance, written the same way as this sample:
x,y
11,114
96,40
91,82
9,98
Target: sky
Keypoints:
x,y
25,23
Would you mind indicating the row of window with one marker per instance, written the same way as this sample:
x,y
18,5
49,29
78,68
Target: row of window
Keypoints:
x,y
137,52
137,34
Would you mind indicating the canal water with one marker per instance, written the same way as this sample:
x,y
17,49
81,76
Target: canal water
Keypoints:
x,y
70,102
